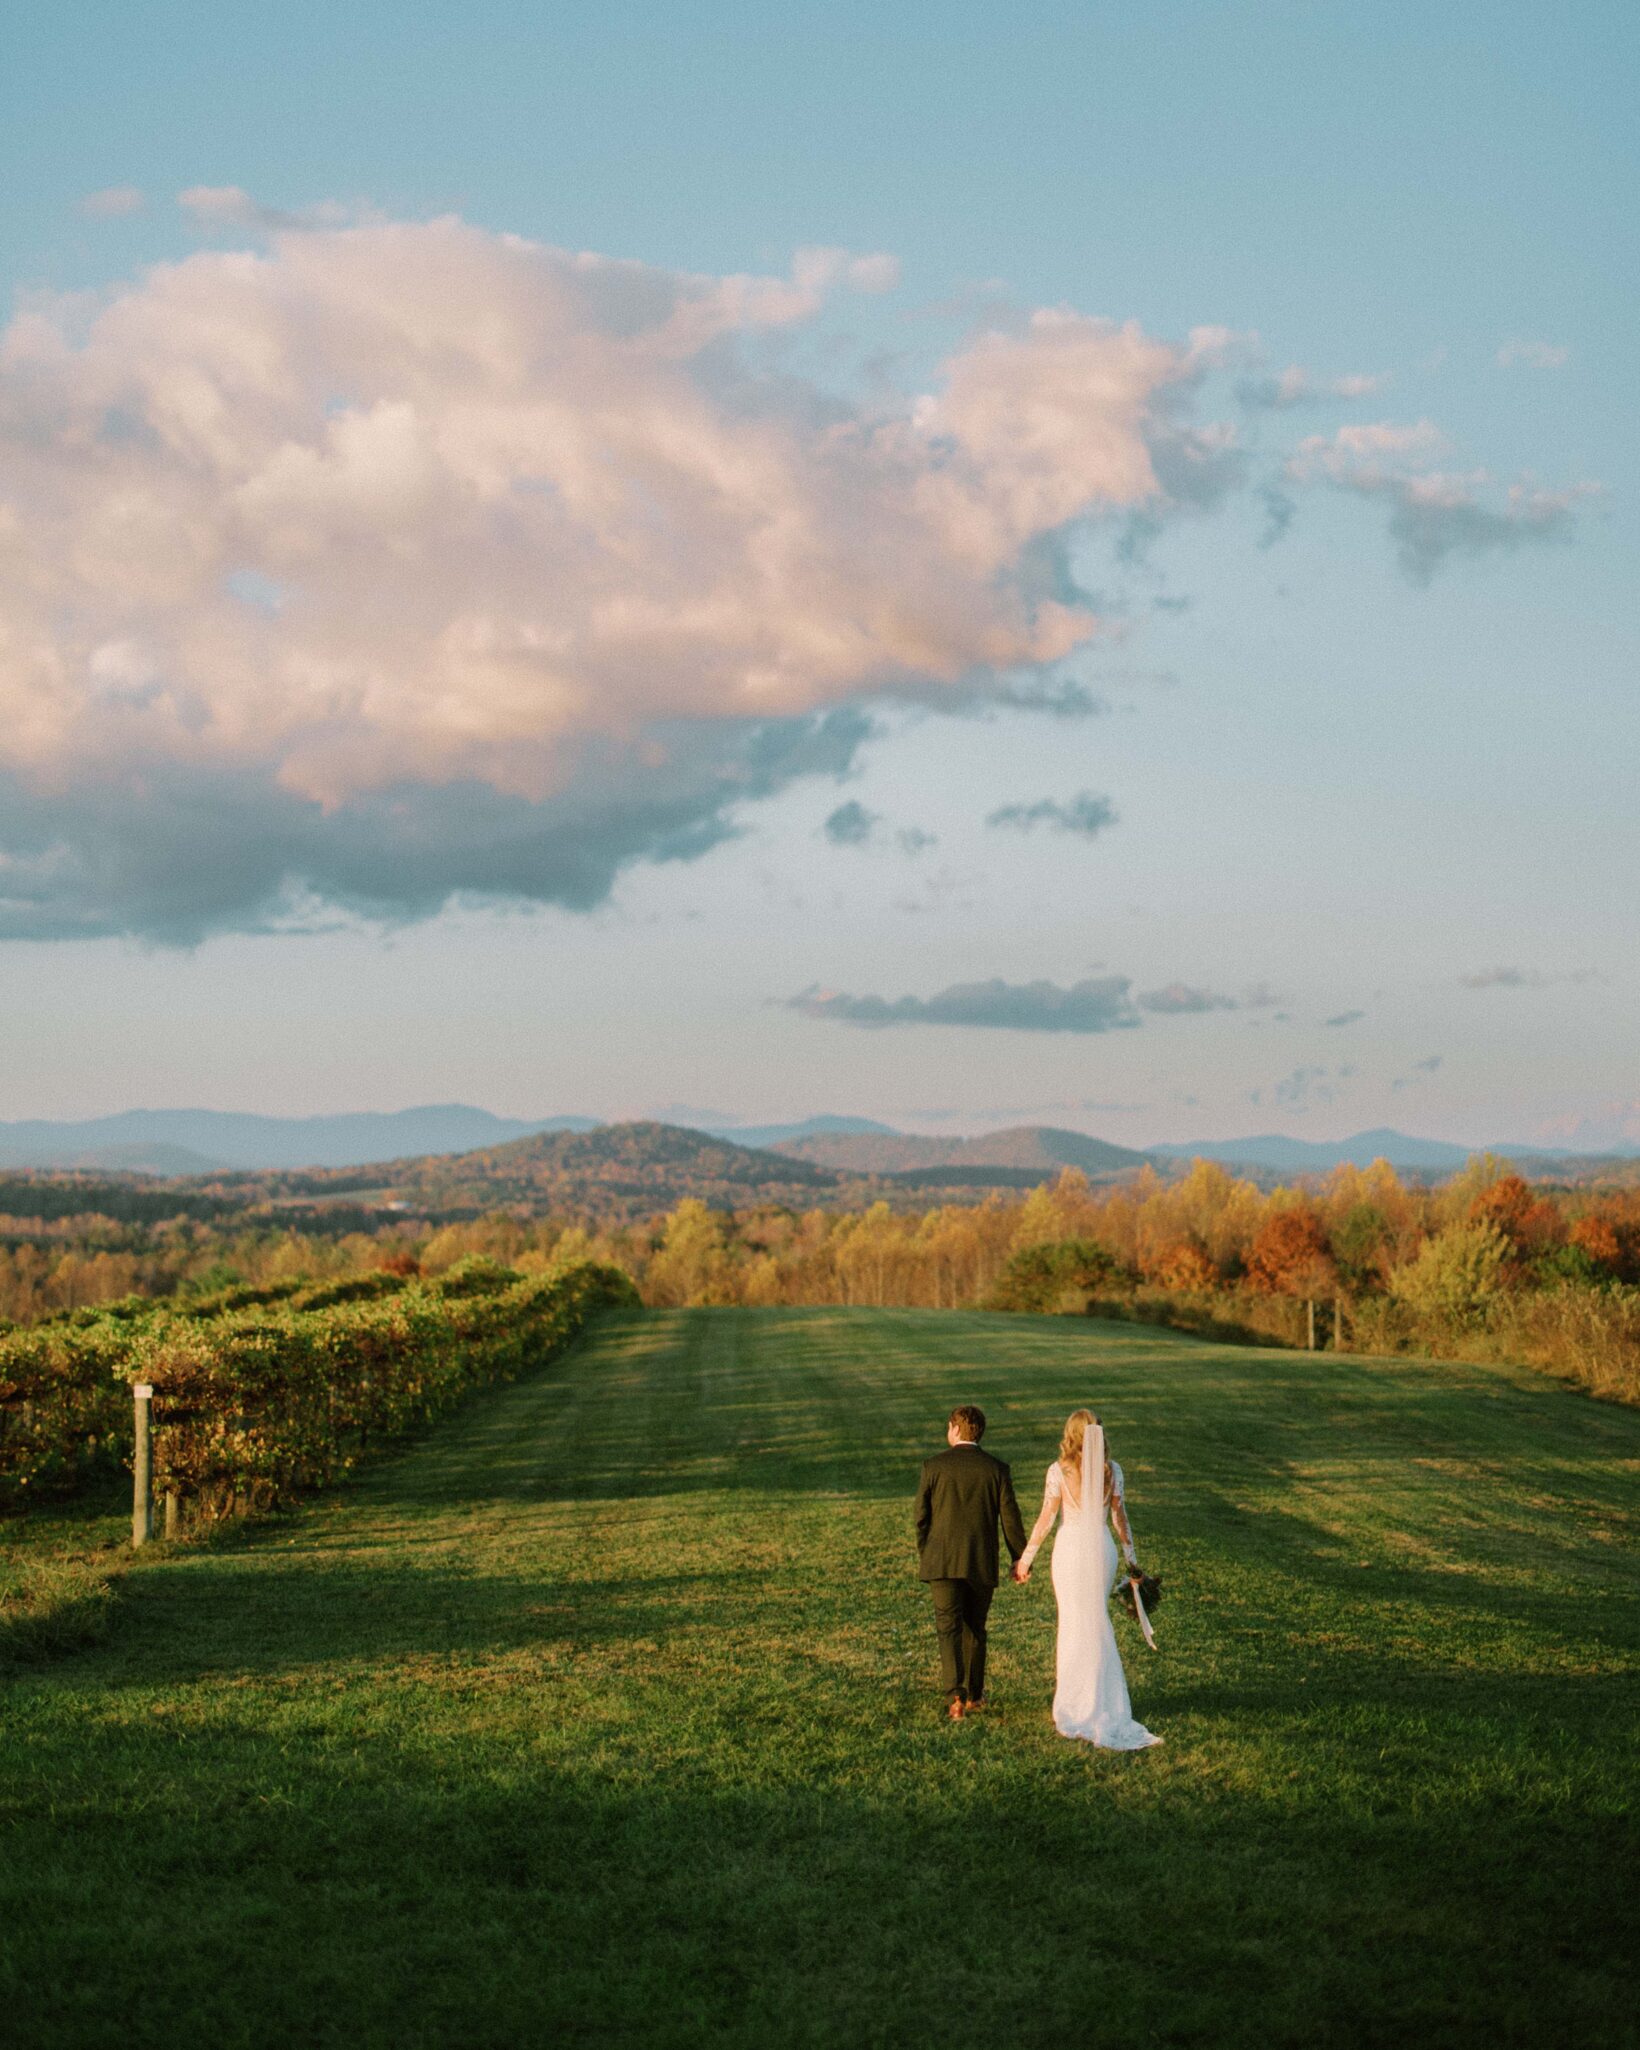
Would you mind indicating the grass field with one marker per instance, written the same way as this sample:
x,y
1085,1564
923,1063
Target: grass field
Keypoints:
x,y
607,1714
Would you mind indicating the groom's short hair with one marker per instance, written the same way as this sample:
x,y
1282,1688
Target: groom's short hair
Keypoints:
x,y
968,1422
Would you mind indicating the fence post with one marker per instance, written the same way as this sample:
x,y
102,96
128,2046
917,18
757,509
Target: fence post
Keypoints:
x,y
1309,1319
173,1513
142,1469
1338,1323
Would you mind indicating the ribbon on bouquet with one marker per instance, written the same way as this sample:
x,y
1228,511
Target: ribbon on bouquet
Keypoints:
x,y
1139,1611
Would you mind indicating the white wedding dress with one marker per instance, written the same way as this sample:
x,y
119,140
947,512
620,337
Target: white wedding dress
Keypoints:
x,y
1090,1695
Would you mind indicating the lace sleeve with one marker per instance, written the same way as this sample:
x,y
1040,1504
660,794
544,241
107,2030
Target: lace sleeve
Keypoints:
x,y
1119,1516
1052,1489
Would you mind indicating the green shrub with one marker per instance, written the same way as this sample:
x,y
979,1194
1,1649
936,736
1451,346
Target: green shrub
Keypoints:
x,y
253,1405
357,1288
476,1275
1039,1278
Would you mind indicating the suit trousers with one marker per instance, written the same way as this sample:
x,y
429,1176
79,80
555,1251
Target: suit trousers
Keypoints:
x,y
960,1610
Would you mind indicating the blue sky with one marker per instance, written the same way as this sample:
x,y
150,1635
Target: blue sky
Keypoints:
x,y
308,648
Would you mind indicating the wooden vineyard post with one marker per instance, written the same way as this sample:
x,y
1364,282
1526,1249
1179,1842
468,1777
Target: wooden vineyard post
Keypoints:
x,y
142,1468
1309,1318
1338,1323
173,1513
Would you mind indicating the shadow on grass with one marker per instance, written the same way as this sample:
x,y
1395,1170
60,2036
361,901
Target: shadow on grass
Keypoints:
x,y
490,1901
210,1617
62,1563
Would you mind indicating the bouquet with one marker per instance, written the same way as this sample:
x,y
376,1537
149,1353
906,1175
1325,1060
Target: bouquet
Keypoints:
x,y
1141,1592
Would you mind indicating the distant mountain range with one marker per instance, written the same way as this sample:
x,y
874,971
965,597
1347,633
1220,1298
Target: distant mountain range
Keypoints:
x,y
1275,1151
193,1142
178,1143
1031,1150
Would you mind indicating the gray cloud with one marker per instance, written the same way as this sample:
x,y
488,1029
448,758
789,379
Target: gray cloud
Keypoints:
x,y
1305,1086
1198,467
1179,998
1139,533
1280,508
982,697
1427,1066
1085,814
1521,978
1100,1004
175,856
1427,530
1434,514
1345,1018
851,825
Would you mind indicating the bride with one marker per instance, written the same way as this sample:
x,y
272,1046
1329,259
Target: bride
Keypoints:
x,y
1091,1697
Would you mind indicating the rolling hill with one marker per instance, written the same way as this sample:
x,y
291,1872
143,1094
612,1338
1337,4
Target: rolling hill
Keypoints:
x,y
1037,1151
618,1172
827,1126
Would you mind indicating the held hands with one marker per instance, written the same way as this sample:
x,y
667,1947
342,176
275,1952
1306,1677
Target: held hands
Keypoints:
x,y
1021,1572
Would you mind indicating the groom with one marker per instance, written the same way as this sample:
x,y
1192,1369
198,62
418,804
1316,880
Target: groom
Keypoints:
x,y
962,1495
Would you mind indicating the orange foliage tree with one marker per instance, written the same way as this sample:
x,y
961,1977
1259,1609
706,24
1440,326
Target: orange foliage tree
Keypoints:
x,y
1290,1256
1530,1223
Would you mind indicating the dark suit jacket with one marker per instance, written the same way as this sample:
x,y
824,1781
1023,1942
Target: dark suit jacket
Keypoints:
x,y
962,1495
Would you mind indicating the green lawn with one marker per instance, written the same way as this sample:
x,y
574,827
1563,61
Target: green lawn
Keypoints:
x,y
607,1714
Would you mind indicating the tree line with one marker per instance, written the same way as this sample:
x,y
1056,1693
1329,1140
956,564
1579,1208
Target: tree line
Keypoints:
x,y
1483,1263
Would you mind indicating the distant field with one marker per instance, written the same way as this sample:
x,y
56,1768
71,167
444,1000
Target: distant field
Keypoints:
x,y
607,1715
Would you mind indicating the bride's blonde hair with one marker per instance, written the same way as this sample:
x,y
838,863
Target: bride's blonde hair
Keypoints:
x,y
1070,1446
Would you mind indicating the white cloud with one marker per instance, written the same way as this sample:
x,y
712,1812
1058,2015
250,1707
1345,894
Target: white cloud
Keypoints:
x,y
513,520
1353,452
1296,386
231,206
1534,355
113,203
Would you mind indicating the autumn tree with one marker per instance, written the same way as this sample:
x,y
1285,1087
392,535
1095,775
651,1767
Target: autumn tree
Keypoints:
x,y
692,1265
1456,1275
1182,1266
1290,1256
1529,1223
1598,1240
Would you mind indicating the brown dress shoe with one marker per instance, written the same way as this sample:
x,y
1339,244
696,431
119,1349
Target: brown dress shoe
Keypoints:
x,y
977,1706
955,1712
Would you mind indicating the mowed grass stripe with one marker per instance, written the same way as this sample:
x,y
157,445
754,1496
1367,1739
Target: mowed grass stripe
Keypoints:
x,y
606,1714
